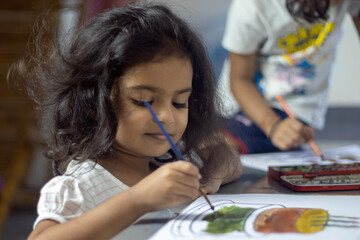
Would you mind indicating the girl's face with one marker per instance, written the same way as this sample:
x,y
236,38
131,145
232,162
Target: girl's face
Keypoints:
x,y
166,85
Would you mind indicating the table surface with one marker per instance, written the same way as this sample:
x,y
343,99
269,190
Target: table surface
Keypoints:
x,y
251,181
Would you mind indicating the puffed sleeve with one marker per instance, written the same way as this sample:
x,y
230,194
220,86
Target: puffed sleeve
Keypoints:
x,y
62,199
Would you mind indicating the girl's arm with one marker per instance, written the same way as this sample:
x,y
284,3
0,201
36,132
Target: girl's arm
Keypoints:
x,y
225,160
225,173
290,132
171,184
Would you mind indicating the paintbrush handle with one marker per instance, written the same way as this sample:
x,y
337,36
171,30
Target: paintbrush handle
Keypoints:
x,y
203,193
173,146
285,107
316,149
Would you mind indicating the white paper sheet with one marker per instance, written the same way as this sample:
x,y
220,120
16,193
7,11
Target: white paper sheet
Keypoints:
x,y
262,161
190,224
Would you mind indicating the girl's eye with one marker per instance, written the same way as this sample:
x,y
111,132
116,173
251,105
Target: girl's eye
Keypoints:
x,y
180,105
140,103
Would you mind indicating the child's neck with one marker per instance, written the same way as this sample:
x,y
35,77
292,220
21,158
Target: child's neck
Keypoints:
x,y
128,169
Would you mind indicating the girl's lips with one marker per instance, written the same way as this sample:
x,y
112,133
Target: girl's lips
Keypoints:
x,y
157,136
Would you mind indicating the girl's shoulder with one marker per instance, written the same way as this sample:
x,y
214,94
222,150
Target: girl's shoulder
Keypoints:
x,y
83,186
86,177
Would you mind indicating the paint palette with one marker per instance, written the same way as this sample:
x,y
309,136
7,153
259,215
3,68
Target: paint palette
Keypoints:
x,y
318,177
322,182
315,169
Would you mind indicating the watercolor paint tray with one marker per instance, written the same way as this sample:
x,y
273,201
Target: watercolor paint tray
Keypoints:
x,y
321,182
318,177
313,170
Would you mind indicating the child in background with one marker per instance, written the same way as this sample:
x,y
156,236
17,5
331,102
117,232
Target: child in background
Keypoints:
x,y
286,48
114,163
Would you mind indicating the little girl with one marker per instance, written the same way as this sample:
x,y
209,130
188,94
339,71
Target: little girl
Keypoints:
x,y
112,160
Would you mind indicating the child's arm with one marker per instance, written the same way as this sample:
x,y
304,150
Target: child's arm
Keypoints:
x,y
290,132
225,173
221,162
171,184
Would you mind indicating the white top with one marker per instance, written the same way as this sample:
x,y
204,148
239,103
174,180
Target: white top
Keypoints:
x,y
83,187
86,185
293,60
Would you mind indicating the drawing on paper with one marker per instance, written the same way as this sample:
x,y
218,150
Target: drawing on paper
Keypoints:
x,y
250,219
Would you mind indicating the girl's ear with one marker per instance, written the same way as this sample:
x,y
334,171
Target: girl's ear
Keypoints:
x,y
114,91
115,96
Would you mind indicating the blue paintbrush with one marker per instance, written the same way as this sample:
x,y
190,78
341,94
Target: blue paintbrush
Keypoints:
x,y
174,148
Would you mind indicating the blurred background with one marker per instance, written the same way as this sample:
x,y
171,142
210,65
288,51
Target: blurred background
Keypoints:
x,y
23,167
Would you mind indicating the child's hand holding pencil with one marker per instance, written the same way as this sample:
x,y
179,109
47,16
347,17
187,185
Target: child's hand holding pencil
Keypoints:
x,y
290,133
297,132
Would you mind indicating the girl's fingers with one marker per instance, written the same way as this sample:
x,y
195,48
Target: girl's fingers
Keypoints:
x,y
186,192
189,182
178,177
174,175
185,168
213,186
295,133
309,133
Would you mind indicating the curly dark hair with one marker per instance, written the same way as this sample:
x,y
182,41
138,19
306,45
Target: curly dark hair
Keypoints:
x,y
309,10
72,84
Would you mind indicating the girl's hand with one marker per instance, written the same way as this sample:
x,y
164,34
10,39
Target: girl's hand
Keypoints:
x,y
212,186
291,133
170,185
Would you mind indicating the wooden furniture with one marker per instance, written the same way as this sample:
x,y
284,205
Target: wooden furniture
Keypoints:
x,y
17,117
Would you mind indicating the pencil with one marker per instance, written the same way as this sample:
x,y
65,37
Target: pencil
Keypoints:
x,y
287,110
174,148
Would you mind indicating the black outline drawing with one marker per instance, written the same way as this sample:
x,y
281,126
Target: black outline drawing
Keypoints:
x,y
187,224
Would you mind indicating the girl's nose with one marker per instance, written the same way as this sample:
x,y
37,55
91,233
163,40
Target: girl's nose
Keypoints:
x,y
165,114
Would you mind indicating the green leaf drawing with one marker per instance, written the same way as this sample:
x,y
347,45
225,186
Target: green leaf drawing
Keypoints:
x,y
227,219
